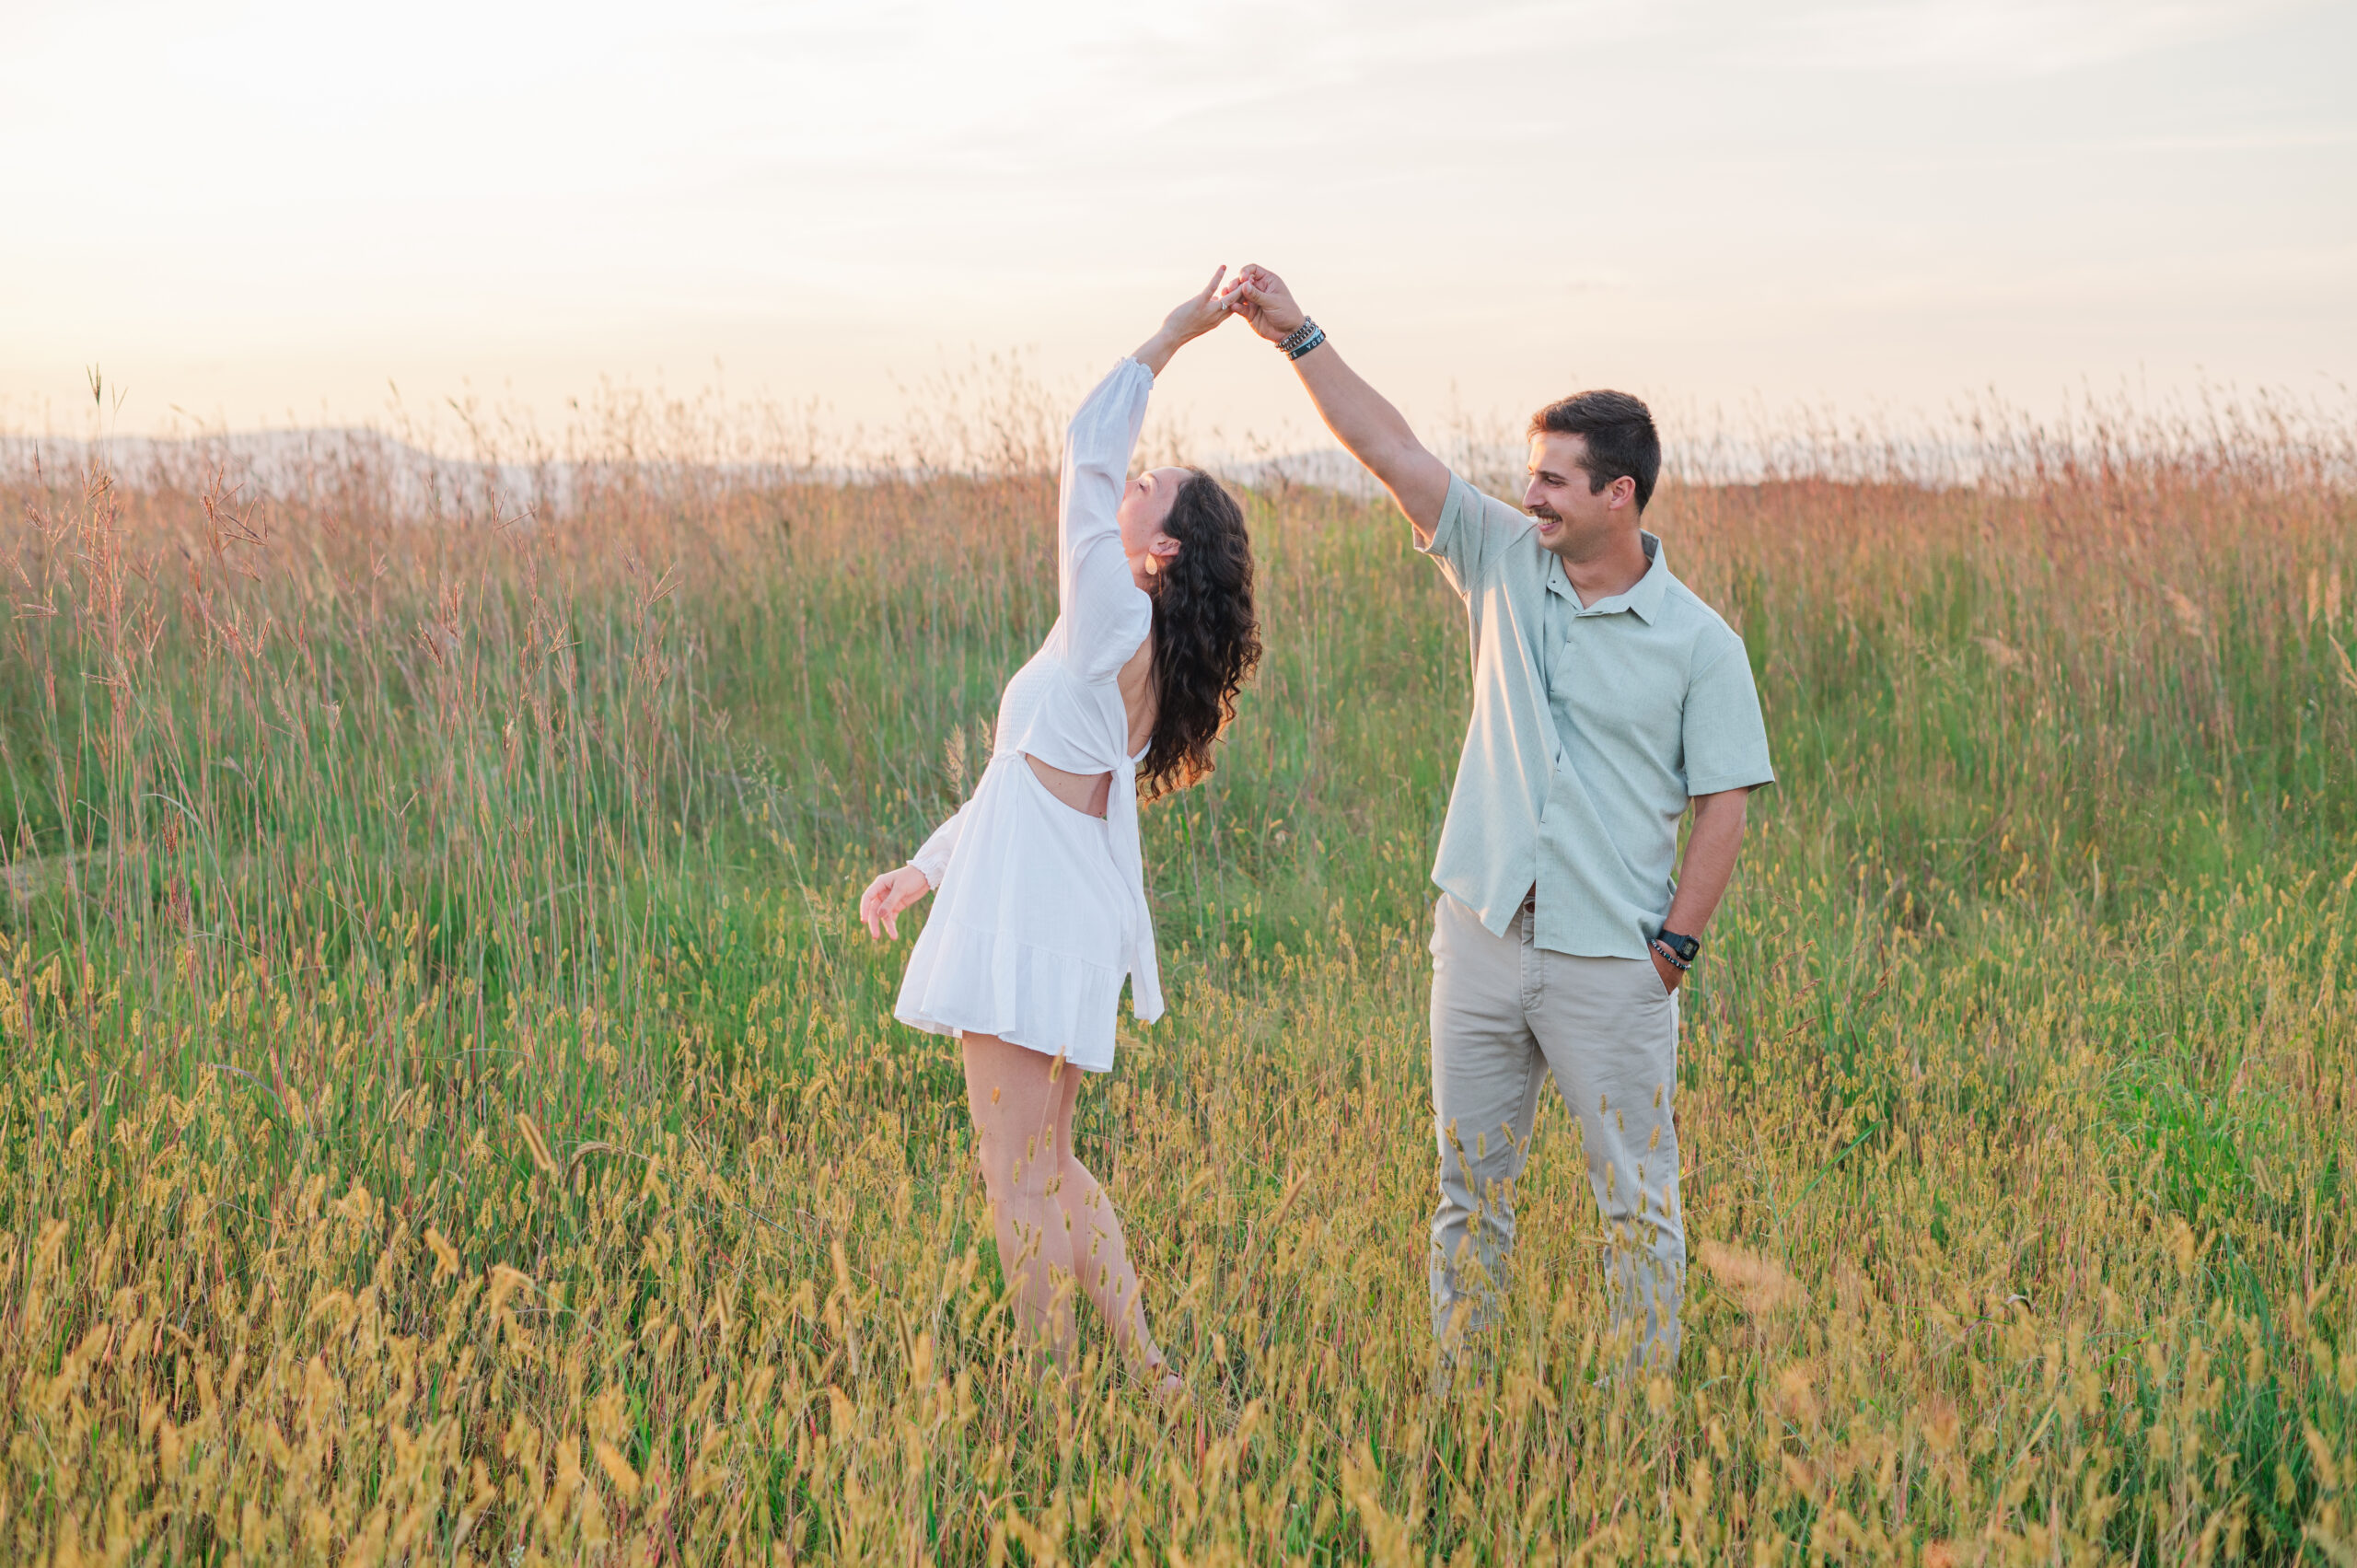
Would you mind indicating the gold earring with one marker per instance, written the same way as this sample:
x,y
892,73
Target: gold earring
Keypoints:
x,y
1153,567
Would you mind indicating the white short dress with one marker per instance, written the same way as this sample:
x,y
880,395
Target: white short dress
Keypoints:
x,y
1039,910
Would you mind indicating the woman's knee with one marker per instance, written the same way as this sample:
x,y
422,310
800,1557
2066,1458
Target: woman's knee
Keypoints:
x,y
1017,1166
1077,1185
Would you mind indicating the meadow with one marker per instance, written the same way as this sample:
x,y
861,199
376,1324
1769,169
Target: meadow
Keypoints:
x,y
450,1113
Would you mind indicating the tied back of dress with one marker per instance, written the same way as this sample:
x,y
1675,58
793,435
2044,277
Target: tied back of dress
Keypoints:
x,y
1040,912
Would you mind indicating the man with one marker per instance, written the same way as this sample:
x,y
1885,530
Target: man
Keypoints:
x,y
1608,700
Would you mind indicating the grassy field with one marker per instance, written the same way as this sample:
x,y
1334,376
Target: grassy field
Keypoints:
x,y
450,1115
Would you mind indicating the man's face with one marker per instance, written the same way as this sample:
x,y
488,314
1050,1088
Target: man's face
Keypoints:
x,y
1573,521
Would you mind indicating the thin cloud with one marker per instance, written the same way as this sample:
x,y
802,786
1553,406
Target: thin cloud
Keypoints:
x,y
2009,37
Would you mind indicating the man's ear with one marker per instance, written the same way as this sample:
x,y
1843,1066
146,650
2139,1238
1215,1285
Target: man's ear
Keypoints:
x,y
1624,491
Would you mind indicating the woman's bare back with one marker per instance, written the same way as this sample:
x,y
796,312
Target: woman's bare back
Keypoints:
x,y
1090,792
1138,694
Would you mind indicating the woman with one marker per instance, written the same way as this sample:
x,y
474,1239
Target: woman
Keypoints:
x,y
1042,913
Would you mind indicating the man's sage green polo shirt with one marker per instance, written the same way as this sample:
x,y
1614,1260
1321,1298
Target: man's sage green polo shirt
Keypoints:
x,y
1592,725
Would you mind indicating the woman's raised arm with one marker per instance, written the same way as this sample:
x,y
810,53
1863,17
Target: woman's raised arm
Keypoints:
x,y
1095,593
1104,615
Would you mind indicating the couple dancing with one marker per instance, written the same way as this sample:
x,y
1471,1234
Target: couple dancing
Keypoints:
x,y
1607,701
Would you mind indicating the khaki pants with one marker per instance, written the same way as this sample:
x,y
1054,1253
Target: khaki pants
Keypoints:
x,y
1505,1014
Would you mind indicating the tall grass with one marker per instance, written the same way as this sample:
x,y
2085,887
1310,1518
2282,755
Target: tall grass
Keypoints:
x,y
449,1113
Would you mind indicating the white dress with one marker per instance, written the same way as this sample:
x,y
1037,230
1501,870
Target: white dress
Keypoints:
x,y
1040,912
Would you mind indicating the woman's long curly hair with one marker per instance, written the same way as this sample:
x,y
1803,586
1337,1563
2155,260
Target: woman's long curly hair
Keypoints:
x,y
1206,635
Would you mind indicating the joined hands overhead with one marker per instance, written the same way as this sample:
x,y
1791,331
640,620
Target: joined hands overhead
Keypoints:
x,y
1256,294
1266,304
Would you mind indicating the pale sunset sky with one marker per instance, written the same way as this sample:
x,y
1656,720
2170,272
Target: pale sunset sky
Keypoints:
x,y
258,214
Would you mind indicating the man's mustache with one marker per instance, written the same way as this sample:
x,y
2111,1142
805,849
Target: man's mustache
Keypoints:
x,y
1549,512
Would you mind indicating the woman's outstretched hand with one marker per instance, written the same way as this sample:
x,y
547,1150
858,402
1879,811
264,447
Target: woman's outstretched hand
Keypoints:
x,y
1195,315
880,906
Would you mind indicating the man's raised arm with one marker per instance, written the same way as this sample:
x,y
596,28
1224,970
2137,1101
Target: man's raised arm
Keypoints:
x,y
1361,418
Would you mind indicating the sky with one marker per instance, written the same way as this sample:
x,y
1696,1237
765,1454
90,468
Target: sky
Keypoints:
x,y
259,213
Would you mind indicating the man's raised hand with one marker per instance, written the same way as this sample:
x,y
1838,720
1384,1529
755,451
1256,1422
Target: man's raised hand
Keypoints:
x,y
1266,304
1360,417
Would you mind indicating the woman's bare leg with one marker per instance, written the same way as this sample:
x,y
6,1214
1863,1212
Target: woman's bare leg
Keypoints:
x,y
1015,1096
1055,1225
1099,1251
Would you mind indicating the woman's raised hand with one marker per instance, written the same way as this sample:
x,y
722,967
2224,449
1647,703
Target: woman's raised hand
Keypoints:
x,y
1196,315
1200,313
880,906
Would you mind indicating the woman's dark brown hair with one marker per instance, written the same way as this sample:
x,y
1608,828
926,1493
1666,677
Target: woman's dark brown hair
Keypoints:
x,y
1206,636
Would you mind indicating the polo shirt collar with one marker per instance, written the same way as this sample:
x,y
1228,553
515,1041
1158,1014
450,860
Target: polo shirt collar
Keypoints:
x,y
1642,600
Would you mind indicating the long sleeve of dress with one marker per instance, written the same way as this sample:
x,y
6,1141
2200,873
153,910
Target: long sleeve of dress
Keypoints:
x,y
1104,615
933,858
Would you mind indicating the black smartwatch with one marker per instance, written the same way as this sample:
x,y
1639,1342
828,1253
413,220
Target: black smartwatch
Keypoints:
x,y
1682,951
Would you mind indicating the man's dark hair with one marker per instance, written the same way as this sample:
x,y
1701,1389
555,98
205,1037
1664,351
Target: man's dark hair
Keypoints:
x,y
1621,442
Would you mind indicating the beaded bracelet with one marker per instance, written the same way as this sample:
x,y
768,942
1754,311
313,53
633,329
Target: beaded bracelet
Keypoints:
x,y
1668,955
1294,340
1316,337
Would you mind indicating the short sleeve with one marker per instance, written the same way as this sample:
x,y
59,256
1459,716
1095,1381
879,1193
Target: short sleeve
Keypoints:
x,y
1470,535
1725,740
